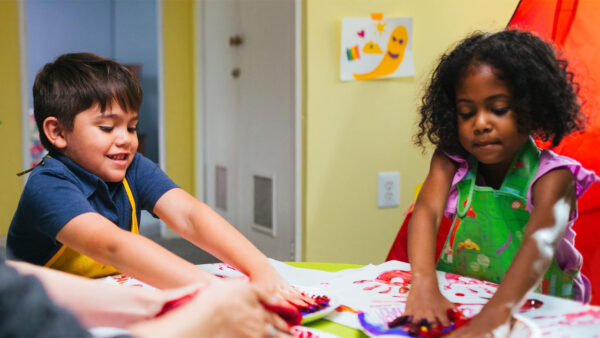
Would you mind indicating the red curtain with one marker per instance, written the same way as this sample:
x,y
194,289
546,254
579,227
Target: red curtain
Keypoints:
x,y
572,26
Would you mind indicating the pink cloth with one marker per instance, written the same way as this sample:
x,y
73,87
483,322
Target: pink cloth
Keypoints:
x,y
567,257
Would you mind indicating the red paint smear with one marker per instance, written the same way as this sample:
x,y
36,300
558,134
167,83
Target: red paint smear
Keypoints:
x,y
386,290
531,304
460,280
459,294
591,312
361,281
301,333
121,279
388,277
175,303
288,313
369,288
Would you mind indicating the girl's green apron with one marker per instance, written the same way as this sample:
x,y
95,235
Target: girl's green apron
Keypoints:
x,y
489,224
69,260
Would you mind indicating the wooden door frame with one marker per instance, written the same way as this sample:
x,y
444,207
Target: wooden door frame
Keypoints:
x,y
200,114
25,144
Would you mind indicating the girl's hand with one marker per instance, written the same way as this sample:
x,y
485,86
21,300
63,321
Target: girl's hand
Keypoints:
x,y
427,303
485,324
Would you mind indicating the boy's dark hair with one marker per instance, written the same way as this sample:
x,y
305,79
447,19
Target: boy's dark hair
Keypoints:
x,y
75,82
544,96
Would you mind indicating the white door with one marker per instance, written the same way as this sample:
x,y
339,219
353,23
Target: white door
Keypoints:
x,y
249,118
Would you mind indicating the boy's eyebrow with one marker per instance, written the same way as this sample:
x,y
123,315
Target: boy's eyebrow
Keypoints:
x,y
113,116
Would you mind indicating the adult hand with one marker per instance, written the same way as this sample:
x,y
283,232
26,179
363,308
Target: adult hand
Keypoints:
x,y
227,308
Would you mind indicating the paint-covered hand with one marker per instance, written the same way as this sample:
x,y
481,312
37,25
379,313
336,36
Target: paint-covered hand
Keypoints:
x,y
272,283
223,308
425,301
488,323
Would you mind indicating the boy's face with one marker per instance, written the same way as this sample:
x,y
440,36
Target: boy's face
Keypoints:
x,y
103,143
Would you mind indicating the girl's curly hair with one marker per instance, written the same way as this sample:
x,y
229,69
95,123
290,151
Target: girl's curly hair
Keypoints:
x,y
544,96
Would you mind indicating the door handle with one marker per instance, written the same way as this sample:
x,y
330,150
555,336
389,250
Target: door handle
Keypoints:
x,y
236,40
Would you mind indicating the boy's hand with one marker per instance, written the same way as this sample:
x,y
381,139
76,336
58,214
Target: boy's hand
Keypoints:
x,y
427,303
272,283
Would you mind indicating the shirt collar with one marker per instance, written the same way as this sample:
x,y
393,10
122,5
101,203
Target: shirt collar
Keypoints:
x,y
89,181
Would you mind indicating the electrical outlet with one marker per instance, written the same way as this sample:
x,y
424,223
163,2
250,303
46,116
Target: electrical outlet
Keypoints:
x,y
388,189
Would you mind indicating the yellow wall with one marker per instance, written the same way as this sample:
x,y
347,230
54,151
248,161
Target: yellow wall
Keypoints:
x,y
178,61
356,129
10,113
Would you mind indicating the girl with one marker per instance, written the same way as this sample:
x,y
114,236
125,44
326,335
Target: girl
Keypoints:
x,y
513,204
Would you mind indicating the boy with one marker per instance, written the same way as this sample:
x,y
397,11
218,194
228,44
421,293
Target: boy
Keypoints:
x,y
79,209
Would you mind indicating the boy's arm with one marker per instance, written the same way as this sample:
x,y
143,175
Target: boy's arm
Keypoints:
x,y
198,223
96,303
132,254
555,199
425,300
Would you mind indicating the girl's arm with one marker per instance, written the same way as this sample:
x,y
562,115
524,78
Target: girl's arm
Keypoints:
x,y
96,303
132,254
425,299
554,201
199,224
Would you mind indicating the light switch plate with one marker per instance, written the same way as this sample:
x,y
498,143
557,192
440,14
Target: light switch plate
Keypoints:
x,y
388,189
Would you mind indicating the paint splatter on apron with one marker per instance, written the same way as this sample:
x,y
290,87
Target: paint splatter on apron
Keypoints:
x,y
69,260
489,224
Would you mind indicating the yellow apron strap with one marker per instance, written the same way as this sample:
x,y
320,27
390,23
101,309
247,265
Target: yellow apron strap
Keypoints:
x,y
69,260
56,255
134,223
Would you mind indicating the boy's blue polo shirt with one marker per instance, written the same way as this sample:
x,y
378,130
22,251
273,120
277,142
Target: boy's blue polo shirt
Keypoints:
x,y
58,190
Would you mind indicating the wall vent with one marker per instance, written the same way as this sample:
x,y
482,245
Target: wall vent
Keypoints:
x,y
221,188
263,203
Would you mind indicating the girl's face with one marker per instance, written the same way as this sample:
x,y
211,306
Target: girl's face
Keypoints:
x,y
487,125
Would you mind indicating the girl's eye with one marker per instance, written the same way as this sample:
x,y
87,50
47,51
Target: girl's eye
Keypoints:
x,y
132,129
106,129
465,115
500,111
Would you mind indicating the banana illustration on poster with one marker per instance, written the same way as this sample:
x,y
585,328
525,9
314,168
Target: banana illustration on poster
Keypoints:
x,y
376,48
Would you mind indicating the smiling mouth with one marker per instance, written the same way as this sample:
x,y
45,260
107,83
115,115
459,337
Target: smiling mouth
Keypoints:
x,y
118,157
392,55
